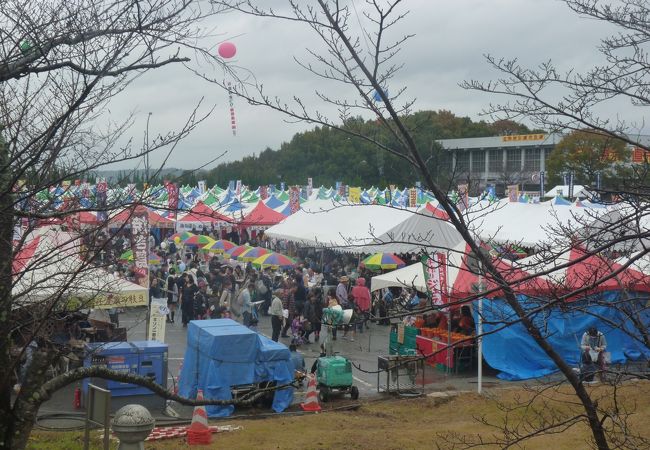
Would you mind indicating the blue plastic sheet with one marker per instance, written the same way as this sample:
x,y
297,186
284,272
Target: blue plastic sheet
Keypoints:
x,y
221,353
517,356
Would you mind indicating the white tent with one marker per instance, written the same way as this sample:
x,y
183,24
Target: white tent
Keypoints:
x,y
365,228
49,266
563,190
409,276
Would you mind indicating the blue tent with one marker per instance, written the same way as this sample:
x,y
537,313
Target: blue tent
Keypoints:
x,y
221,353
273,202
517,356
287,210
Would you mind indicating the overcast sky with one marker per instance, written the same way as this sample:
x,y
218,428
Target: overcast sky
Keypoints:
x,y
451,37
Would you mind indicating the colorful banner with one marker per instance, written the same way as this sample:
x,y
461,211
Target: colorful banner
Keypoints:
x,y
341,190
435,277
101,189
294,199
140,245
85,189
413,197
355,195
463,197
264,192
238,189
172,198
513,192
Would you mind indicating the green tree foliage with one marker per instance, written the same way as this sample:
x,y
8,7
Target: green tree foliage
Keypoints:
x,y
586,152
328,155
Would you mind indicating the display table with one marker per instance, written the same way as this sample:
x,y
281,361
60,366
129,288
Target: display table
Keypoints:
x,y
451,357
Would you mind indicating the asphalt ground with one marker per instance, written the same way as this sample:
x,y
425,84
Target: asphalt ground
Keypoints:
x,y
363,352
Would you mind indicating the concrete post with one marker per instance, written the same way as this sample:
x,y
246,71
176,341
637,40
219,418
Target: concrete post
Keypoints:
x,y
132,424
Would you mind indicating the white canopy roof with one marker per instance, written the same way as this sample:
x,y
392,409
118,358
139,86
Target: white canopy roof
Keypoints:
x,y
409,276
365,228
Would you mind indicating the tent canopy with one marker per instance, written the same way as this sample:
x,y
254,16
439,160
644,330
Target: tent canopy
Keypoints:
x,y
262,216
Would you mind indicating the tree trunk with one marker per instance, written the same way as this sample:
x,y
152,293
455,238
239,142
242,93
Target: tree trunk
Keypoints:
x,y
6,250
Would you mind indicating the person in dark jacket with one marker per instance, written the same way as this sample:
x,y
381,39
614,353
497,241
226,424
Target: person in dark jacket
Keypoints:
x,y
187,298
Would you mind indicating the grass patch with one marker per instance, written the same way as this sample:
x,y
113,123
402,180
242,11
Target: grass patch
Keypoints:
x,y
410,424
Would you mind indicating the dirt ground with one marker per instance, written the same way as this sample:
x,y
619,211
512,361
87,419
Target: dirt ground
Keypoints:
x,y
421,423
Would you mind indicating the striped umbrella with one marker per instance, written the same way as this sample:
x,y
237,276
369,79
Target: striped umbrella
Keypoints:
x,y
199,240
274,260
220,246
383,261
253,254
180,236
234,252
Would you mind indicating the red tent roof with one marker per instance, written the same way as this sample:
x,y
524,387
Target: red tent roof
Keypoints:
x,y
24,255
203,213
155,219
437,211
262,215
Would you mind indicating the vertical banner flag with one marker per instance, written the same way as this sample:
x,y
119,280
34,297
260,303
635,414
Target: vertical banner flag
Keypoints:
x,y
282,186
264,192
435,278
294,199
140,245
85,189
413,197
341,191
101,189
201,185
310,186
231,185
542,184
565,178
172,198
238,189
598,180
571,185
463,196
355,195
418,187
130,192
513,192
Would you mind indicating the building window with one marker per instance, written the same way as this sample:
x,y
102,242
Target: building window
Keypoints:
x,y
513,160
462,161
478,161
495,162
531,163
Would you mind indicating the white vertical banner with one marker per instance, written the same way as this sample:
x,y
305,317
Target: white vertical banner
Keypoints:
x,y
201,186
157,319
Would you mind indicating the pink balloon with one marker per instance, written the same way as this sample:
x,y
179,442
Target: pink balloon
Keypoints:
x,y
227,50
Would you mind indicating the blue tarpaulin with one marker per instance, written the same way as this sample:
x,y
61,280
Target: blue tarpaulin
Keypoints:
x,y
517,356
221,353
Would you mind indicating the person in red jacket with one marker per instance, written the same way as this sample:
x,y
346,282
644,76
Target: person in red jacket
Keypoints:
x,y
361,296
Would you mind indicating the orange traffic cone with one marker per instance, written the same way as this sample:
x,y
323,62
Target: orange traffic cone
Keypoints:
x,y
311,401
198,433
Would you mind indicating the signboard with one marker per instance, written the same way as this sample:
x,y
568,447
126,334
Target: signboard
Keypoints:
x,y
123,300
400,333
294,199
98,412
157,319
523,137
355,195
435,277
140,245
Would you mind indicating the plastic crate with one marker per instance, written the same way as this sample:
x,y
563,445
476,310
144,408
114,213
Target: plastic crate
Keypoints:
x,y
334,371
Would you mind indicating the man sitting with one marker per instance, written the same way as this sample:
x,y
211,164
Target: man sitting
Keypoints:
x,y
593,347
